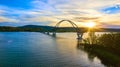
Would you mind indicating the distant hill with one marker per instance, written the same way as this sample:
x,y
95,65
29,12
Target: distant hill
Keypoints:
x,y
36,26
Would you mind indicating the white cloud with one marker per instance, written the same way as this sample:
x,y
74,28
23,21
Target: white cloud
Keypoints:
x,y
53,11
1,12
5,19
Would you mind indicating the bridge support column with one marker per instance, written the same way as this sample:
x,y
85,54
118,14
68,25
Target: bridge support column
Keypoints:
x,y
79,36
48,33
54,34
43,32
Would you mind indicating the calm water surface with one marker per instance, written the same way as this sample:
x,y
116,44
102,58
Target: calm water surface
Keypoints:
x,y
25,49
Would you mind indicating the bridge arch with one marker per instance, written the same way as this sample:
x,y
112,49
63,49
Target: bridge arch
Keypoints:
x,y
79,33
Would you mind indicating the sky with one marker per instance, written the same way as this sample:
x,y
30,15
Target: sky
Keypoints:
x,y
105,13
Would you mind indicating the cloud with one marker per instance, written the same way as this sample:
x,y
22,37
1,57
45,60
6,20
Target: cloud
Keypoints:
x,y
2,11
73,8
52,11
4,19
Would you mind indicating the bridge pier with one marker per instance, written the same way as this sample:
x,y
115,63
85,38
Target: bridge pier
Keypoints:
x,y
48,33
79,35
54,34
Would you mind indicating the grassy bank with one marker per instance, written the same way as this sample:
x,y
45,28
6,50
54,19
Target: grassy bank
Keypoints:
x,y
108,58
106,47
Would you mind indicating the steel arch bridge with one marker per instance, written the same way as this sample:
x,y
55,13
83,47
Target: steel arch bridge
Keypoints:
x,y
79,33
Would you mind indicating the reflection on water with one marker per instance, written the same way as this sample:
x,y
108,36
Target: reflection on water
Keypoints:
x,y
38,50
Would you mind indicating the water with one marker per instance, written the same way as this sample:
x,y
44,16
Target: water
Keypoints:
x,y
25,49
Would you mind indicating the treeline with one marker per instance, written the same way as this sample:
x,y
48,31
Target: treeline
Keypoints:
x,y
106,47
110,41
17,29
38,29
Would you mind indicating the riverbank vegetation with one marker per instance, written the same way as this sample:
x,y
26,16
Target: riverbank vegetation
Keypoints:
x,y
106,47
38,28
34,28
110,41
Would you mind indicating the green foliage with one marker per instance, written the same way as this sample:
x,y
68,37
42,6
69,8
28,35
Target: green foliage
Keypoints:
x,y
21,29
106,47
111,40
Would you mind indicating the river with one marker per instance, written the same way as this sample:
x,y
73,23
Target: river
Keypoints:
x,y
31,49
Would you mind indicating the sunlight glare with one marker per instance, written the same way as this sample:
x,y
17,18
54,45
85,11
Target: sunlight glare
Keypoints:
x,y
90,24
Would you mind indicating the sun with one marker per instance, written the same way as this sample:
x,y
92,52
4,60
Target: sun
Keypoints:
x,y
90,24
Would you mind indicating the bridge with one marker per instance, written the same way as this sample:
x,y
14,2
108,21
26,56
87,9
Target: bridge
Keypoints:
x,y
74,26
77,29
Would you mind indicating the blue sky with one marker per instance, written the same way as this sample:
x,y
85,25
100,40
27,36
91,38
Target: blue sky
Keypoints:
x,y
112,9
17,4
49,12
